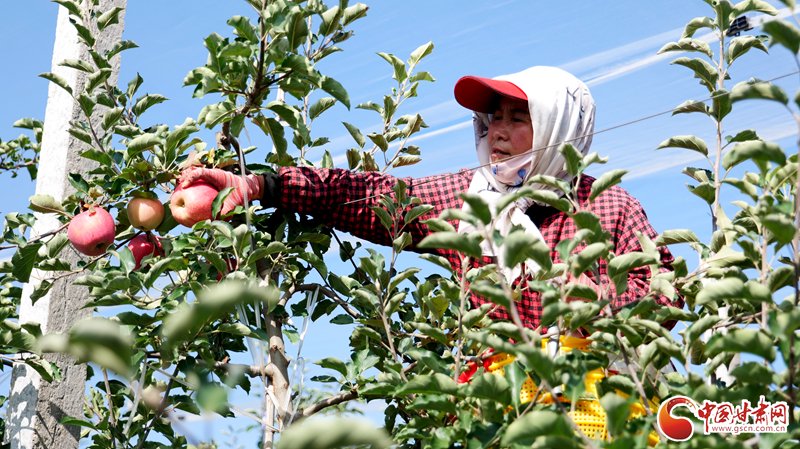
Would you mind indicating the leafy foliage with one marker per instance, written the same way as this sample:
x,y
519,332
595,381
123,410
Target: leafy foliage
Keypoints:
x,y
173,328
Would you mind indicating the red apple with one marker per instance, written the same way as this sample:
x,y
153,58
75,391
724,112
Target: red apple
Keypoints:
x,y
192,204
144,245
91,231
145,213
232,265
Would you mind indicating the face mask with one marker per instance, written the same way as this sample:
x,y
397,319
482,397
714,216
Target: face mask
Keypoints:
x,y
514,171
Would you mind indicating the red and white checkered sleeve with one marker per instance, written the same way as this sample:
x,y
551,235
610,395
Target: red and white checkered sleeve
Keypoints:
x,y
345,200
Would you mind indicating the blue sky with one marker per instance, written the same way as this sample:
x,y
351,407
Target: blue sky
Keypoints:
x,y
609,44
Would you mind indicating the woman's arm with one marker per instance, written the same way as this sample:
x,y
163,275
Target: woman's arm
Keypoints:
x,y
345,200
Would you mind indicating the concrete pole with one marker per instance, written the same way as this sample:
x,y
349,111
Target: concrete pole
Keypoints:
x,y
36,407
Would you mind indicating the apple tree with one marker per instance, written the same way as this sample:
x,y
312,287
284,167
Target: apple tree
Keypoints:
x,y
195,309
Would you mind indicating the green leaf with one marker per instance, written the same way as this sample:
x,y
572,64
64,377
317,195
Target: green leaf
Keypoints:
x,y
243,28
693,333
57,80
703,71
572,158
675,236
622,264
420,52
143,143
23,260
688,44
690,106
296,30
71,6
582,261
334,364
454,241
531,426
56,244
320,106
741,45
273,128
212,303
743,136
77,64
550,198
490,386
751,341
133,86
354,12
104,342
356,133
330,20
696,24
781,226
760,90
746,6
478,207
720,291
87,104
605,182
336,90
379,140
783,33
724,11
109,17
45,204
753,373
755,150
212,398
399,66
336,432
120,47
146,102
520,246
417,212
436,383
721,104
111,118
617,410
49,371
693,143
779,278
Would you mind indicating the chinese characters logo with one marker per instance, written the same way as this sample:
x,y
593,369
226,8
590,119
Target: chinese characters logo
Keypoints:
x,y
722,417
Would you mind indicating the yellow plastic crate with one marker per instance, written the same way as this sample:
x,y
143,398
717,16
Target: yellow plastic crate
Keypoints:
x,y
588,414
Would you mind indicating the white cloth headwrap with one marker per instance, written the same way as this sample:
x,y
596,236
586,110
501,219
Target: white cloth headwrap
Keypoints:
x,y
562,111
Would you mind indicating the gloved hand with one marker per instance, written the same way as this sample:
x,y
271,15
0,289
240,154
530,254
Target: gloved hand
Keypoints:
x,y
221,179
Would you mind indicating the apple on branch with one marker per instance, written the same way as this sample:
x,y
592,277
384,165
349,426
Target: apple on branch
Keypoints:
x,y
145,213
92,231
192,204
144,245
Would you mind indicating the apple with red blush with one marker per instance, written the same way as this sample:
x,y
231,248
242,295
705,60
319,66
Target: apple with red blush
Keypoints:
x,y
92,231
144,245
192,203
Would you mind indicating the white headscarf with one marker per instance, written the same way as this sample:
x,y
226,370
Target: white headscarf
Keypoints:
x,y
562,111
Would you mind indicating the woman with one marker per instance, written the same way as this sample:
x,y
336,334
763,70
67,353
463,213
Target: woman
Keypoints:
x,y
520,122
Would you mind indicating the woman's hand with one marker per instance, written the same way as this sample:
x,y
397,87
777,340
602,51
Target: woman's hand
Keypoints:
x,y
253,185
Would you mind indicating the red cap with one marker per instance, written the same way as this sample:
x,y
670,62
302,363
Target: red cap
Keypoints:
x,y
480,94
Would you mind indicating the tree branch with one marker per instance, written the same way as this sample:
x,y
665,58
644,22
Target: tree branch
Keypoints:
x,y
250,370
325,403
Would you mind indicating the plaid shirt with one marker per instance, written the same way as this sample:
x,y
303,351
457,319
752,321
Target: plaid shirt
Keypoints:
x,y
325,194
